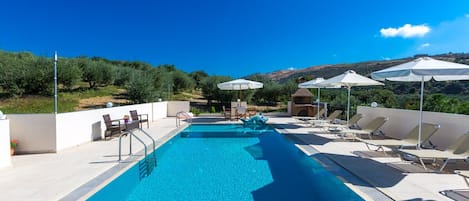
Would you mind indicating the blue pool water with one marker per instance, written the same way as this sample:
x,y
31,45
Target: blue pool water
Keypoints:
x,y
232,163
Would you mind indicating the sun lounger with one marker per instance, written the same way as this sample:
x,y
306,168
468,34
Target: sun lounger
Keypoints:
x,y
330,119
341,128
463,173
457,151
352,124
368,130
411,139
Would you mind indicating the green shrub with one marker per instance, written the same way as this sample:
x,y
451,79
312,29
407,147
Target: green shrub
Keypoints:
x,y
196,111
212,109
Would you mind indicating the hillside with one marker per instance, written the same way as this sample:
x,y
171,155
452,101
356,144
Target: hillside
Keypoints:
x,y
364,68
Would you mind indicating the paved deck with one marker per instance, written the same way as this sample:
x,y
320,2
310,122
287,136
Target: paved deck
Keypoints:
x,y
66,175
400,180
53,176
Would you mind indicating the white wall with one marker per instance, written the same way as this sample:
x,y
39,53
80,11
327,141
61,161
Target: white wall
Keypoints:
x,y
160,110
5,158
35,132
402,121
75,128
42,133
177,106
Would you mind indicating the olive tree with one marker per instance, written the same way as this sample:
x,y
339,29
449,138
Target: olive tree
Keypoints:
x,y
140,88
211,92
97,73
68,73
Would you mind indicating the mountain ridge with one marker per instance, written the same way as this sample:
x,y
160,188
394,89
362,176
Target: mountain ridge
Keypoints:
x,y
364,67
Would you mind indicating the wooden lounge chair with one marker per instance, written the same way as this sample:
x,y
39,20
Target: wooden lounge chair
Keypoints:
x,y
112,126
368,130
139,117
456,151
410,140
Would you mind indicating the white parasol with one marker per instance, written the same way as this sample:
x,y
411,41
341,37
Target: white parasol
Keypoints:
x,y
240,84
421,70
350,79
316,84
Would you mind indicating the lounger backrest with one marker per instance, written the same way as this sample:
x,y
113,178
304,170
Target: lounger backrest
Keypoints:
x,y
427,131
461,145
334,115
354,119
375,124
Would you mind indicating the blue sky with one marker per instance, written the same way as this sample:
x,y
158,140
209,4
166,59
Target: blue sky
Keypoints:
x,y
237,37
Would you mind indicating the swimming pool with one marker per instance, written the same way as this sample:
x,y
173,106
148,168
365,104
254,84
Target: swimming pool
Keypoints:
x,y
228,162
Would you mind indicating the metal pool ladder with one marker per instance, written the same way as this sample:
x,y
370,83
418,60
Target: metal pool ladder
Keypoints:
x,y
131,133
182,115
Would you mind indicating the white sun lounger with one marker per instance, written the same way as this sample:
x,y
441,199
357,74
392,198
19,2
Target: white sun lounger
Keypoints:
x,y
368,129
463,173
352,123
457,151
330,119
411,139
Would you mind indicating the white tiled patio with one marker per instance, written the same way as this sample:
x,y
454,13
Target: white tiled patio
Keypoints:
x,y
398,179
53,176
56,176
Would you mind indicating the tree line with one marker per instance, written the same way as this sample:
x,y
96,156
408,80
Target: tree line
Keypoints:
x,y
26,74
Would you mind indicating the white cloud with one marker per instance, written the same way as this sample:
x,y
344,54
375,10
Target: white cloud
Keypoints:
x,y
386,58
406,31
467,15
423,46
291,68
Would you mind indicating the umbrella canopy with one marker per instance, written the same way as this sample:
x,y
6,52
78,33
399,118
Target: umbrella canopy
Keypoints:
x,y
316,84
421,70
240,84
350,79
424,68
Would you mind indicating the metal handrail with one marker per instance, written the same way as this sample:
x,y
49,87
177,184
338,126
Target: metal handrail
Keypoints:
x,y
131,134
140,140
178,119
148,135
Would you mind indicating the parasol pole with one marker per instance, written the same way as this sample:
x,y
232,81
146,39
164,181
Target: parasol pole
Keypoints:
x,y
240,93
319,99
348,104
421,111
